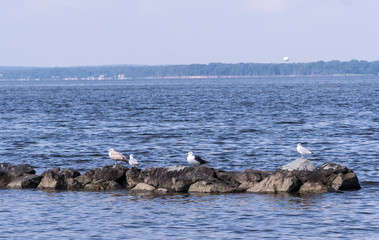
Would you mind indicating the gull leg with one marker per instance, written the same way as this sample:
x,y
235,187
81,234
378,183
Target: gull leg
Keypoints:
x,y
115,164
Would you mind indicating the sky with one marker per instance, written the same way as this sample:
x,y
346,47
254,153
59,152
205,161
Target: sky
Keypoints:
x,y
49,33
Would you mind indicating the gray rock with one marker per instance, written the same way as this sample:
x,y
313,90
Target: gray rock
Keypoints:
x,y
281,181
103,186
52,180
28,181
178,178
9,172
58,179
211,187
100,176
203,179
301,164
133,177
339,177
313,187
143,187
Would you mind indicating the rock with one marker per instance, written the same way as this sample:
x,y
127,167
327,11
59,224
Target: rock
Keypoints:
x,y
162,191
103,186
28,181
99,178
301,164
143,187
281,181
243,180
211,187
202,179
133,177
52,180
58,179
9,172
313,187
178,178
339,177
348,181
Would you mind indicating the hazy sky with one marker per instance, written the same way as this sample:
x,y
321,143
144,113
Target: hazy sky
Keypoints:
x,y
155,32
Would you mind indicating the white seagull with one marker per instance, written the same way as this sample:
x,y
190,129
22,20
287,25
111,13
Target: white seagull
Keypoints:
x,y
195,160
116,156
132,160
302,150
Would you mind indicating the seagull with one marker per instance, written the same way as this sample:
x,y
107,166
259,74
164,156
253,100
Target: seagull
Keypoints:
x,y
132,160
116,156
302,150
194,160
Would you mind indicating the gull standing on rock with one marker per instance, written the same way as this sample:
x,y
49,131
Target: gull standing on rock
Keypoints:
x,y
302,150
116,156
195,160
132,160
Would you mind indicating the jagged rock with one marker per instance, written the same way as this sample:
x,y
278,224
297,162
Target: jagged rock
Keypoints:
x,y
52,180
211,187
133,177
28,181
178,178
281,181
243,180
99,178
313,187
103,186
339,177
330,177
346,181
162,190
301,164
143,187
9,172
58,179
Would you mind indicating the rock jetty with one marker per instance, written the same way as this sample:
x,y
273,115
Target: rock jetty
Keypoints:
x,y
297,177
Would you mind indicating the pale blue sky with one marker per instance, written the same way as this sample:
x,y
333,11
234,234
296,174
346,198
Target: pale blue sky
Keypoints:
x,y
155,32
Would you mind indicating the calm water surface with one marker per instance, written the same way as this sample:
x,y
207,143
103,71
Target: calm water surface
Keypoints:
x,y
233,123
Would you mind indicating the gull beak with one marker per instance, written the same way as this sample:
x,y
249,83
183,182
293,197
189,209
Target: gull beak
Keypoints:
x,y
186,154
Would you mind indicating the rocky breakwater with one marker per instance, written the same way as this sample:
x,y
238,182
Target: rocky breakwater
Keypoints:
x,y
299,176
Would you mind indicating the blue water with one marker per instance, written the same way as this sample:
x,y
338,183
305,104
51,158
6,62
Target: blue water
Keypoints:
x,y
233,123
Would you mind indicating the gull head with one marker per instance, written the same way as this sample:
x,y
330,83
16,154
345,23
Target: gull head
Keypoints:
x,y
189,154
111,150
299,144
131,155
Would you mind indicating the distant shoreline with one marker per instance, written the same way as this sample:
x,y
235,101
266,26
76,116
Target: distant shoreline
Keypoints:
x,y
192,71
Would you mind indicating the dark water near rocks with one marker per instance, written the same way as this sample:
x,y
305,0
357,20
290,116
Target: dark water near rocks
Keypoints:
x,y
233,123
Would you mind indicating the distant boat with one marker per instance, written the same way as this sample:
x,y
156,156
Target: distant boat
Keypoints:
x,y
286,59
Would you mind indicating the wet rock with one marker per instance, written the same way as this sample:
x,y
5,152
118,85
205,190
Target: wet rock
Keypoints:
x,y
348,181
281,181
58,179
28,181
177,178
313,187
103,186
9,172
202,179
211,187
52,180
133,177
143,187
301,164
101,178
339,177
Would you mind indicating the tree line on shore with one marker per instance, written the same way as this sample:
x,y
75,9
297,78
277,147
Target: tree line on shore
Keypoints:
x,y
212,69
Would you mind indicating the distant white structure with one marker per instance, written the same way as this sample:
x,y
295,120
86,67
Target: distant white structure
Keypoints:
x,y
286,59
